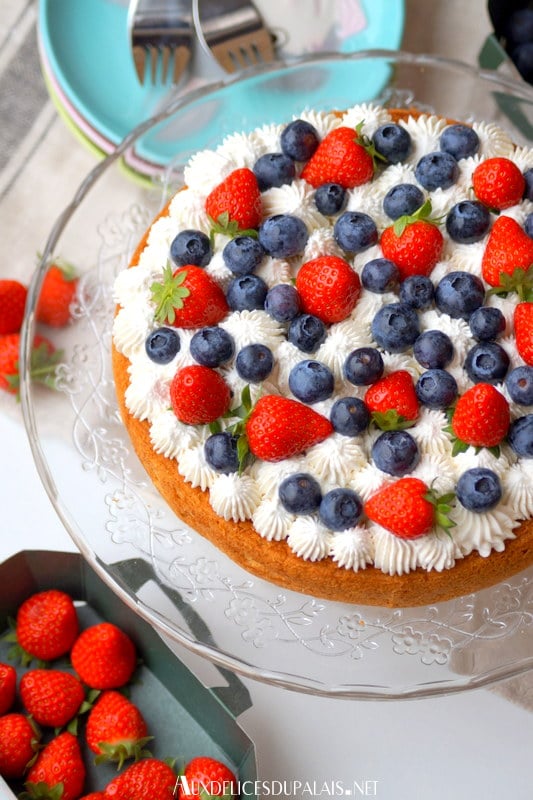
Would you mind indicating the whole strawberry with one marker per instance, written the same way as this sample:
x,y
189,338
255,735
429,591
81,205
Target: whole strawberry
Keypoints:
x,y
46,625
19,740
8,687
508,248
414,243
408,509
342,158
278,428
51,696
236,200
199,395
206,777
104,656
57,295
44,361
188,298
523,331
59,768
481,418
392,401
12,304
328,287
498,183
116,729
147,779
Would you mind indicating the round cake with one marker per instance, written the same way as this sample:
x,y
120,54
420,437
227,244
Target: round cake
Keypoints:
x,y
323,354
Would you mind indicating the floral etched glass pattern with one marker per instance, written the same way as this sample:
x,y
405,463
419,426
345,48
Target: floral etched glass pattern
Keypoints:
x,y
171,575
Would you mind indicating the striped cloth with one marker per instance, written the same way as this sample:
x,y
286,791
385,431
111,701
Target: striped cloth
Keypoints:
x,y
41,163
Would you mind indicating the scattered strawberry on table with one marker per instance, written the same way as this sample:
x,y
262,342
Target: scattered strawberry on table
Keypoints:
x,y
55,712
53,311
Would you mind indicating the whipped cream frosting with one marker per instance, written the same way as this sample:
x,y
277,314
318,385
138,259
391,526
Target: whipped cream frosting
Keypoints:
x,y
338,461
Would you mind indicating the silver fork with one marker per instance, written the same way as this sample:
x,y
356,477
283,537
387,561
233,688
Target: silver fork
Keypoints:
x,y
160,34
234,32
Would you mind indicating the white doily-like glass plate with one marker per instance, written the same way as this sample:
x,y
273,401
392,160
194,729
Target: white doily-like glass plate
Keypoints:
x,y
172,576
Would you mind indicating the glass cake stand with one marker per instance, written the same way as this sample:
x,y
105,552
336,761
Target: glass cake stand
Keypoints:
x,y
169,574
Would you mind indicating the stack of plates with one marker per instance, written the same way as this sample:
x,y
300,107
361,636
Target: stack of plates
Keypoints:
x,y
89,72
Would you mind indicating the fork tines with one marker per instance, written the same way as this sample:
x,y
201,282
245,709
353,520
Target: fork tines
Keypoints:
x,y
235,33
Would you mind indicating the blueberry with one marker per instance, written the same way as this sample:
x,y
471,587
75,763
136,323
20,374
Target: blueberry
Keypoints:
x,y
191,247
282,302
487,362
436,388
363,366
437,170
395,327
349,416
243,254
395,452
468,221
283,235
402,200
311,381
479,489
212,346
433,349
417,291
519,26
162,345
486,323
273,169
528,225
330,198
340,509
220,450
520,436
519,382
300,493
246,293
254,362
528,191
355,231
380,275
393,142
299,140
458,294
460,141
307,332
522,55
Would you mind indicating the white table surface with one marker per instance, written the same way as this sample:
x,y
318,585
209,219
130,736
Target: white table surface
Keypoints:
x,y
475,744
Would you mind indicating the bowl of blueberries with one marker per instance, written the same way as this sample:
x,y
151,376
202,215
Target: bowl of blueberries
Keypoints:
x,y
513,30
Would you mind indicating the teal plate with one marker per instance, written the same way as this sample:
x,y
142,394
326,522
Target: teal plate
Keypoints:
x,y
87,48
